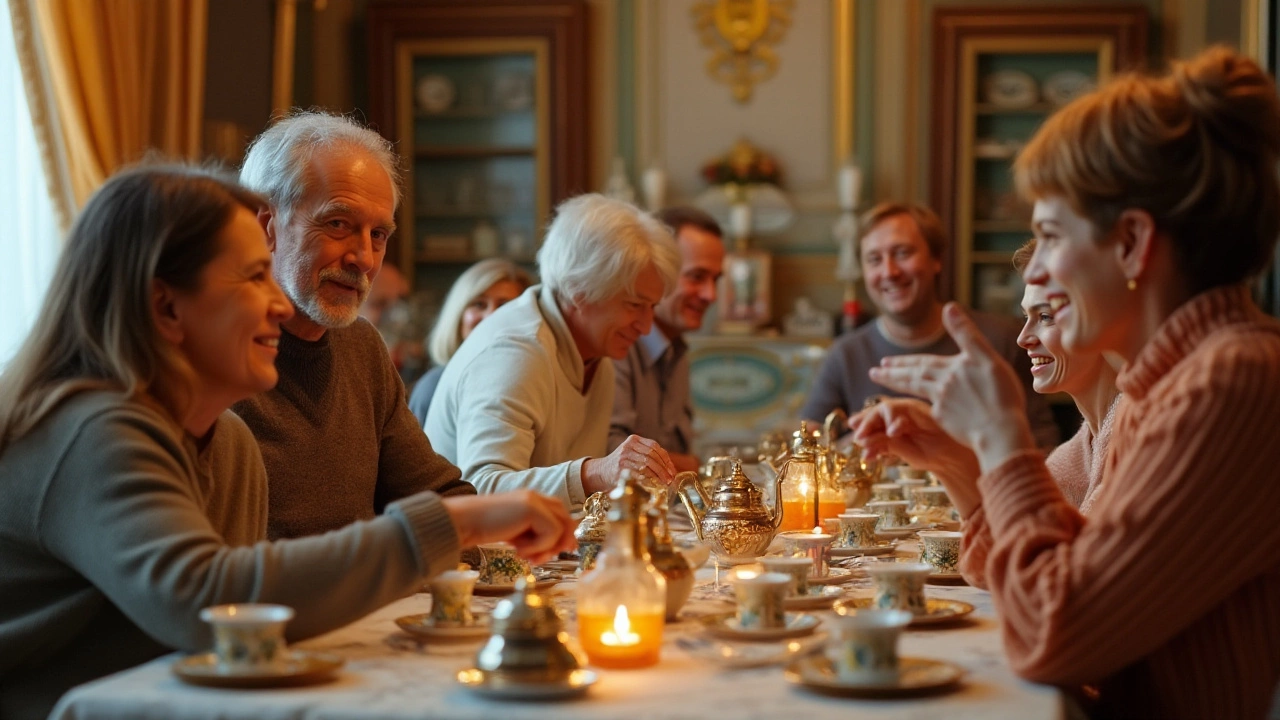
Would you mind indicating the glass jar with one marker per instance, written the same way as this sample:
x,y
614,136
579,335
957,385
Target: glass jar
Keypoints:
x,y
622,601
809,492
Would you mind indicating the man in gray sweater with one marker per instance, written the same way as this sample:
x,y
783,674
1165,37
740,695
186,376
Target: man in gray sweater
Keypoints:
x,y
337,438
901,250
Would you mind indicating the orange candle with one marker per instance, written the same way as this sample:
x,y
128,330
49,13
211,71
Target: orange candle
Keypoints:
x,y
622,640
798,514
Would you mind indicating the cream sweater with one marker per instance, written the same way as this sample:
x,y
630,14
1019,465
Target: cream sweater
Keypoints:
x,y
511,409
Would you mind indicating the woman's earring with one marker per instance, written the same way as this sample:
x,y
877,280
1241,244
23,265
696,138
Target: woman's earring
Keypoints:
x,y
1133,284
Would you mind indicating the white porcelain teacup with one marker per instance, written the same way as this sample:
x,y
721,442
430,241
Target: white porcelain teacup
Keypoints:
x,y
857,530
941,549
887,491
900,586
499,564
451,598
248,636
815,546
893,513
797,568
865,646
760,599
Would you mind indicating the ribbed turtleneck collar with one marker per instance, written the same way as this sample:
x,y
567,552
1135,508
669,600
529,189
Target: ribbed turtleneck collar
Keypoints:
x,y
1182,332
305,362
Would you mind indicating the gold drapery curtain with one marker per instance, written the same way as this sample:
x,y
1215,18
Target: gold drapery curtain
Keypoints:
x,y
127,76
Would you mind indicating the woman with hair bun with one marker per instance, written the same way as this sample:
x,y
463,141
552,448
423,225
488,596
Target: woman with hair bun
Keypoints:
x,y
1156,204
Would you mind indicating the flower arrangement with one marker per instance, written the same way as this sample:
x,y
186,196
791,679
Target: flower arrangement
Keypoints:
x,y
744,164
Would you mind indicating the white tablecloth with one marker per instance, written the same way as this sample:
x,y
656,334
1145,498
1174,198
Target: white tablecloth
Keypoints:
x,y
389,676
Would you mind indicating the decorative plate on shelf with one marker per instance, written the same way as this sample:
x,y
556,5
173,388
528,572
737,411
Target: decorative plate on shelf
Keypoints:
x,y
513,91
1062,87
436,93
1010,89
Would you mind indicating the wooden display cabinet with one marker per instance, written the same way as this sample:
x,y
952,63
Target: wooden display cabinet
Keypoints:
x,y
998,73
486,102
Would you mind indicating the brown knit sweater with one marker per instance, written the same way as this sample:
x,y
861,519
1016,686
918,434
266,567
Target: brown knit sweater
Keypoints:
x,y
1168,597
1076,466
337,438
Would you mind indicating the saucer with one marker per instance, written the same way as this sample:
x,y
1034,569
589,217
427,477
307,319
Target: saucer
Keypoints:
x,y
752,654
545,579
946,578
299,667
421,627
834,576
562,566
916,676
575,684
819,597
902,532
883,548
798,625
940,610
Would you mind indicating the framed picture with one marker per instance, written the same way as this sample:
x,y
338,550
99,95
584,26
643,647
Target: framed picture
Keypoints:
x,y
744,291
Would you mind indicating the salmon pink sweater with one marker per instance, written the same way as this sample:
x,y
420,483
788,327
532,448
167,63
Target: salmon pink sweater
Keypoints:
x,y
1167,598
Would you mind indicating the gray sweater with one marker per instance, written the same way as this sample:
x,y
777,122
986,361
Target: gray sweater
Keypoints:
x,y
337,438
115,531
843,382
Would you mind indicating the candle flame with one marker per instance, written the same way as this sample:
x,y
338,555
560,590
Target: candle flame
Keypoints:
x,y
621,633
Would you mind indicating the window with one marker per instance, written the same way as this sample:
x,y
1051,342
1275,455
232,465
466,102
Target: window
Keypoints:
x,y
30,241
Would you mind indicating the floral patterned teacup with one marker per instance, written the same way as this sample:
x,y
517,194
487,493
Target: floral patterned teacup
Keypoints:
x,y
760,600
499,564
797,568
893,513
887,491
941,549
857,530
247,636
900,586
866,644
451,598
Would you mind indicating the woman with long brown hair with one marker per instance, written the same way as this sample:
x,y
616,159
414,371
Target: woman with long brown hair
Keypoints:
x,y
133,498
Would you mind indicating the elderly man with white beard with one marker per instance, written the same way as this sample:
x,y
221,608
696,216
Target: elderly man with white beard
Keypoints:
x,y
337,437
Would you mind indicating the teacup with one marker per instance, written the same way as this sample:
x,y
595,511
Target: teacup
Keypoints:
x,y
760,600
499,564
931,496
815,546
900,586
887,491
941,549
866,644
797,568
831,526
857,530
909,485
451,598
893,513
247,636
906,472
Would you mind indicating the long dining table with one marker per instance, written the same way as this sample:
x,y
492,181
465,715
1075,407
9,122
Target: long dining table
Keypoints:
x,y
389,675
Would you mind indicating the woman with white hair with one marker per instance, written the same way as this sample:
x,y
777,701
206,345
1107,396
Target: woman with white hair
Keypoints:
x,y
476,294
526,400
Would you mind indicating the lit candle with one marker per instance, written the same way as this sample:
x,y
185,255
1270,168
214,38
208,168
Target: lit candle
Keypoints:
x,y
620,635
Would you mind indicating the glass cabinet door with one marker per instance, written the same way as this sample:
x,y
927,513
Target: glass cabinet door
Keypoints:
x,y
1010,86
473,126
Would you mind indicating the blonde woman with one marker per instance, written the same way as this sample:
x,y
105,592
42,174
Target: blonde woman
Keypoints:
x,y
133,498
475,295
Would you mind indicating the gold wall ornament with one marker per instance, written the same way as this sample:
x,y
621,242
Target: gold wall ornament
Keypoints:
x,y
741,33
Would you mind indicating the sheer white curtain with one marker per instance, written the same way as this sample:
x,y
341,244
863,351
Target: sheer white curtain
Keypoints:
x,y
31,239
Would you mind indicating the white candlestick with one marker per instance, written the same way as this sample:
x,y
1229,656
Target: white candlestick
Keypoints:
x,y
740,220
654,184
849,186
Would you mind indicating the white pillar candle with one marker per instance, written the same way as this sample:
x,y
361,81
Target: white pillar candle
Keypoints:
x,y
849,186
654,184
